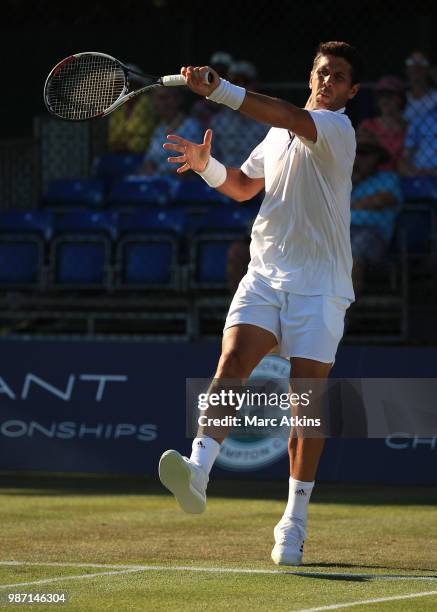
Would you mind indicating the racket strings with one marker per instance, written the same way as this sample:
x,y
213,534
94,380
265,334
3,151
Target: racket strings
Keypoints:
x,y
85,87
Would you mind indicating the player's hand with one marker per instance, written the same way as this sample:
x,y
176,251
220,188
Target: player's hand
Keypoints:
x,y
195,78
193,156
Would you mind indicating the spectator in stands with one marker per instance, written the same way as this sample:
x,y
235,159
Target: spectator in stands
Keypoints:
x,y
234,133
220,62
376,197
389,125
420,154
172,120
204,110
422,96
131,126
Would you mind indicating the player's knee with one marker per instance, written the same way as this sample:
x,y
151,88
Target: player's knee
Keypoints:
x,y
232,364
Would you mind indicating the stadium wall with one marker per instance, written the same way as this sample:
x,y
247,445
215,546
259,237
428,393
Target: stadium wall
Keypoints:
x,y
114,407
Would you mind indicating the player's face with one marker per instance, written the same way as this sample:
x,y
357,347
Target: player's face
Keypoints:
x,y
330,83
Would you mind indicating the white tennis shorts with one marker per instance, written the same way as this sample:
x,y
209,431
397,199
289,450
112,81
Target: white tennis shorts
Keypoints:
x,y
309,326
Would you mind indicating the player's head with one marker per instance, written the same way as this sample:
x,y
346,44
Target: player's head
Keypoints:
x,y
335,75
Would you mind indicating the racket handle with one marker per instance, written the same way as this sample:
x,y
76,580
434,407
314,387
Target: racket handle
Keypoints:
x,y
174,80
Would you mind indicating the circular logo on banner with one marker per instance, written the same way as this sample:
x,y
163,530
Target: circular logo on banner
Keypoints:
x,y
238,453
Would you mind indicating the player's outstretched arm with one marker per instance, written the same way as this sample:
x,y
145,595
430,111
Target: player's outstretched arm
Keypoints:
x,y
192,156
265,109
280,114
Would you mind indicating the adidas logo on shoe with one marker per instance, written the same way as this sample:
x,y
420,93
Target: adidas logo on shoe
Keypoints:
x,y
301,492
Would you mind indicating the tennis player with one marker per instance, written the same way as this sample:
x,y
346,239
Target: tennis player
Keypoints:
x,y
298,285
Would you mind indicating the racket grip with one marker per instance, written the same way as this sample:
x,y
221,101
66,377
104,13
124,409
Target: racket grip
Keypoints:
x,y
174,80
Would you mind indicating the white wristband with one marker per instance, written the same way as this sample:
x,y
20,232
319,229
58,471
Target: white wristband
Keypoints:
x,y
228,94
214,174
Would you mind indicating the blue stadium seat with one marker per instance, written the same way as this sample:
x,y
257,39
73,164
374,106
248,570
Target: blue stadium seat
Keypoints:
x,y
235,217
112,167
210,264
147,263
86,221
21,262
38,222
75,192
22,246
142,190
80,254
152,220
147,253
210,244
194,190
81,265
419,188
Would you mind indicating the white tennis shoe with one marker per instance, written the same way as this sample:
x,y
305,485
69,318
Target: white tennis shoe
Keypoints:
x,y
185,479
289,539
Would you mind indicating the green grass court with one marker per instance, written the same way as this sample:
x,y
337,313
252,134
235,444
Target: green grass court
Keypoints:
x,y
124,545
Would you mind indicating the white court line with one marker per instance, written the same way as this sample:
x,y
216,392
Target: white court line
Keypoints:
x,y
219,570
62,578
367,601
62,564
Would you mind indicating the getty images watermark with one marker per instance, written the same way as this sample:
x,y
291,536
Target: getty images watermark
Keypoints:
x,y
248,400
260,407
333,407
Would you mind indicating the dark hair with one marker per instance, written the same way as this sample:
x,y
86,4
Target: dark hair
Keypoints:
x,y
348,52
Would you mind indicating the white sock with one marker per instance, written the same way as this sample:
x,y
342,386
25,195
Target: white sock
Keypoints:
x,y
299,494
204,453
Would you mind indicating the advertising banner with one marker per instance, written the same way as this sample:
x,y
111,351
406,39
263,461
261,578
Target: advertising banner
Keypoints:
x,y
114,407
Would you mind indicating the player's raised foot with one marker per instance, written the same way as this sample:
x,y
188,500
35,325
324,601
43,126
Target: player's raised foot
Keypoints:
x,y
186,480
289,539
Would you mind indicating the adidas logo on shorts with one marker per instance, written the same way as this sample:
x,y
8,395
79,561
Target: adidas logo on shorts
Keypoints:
x,y
201,444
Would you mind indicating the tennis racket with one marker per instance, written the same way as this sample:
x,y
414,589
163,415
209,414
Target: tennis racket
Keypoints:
x,y
90,85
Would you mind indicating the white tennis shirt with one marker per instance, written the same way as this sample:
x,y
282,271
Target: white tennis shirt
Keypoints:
x,y
301,236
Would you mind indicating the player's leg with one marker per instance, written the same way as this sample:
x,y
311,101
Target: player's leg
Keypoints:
x,y
312,327
242,348
304,453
